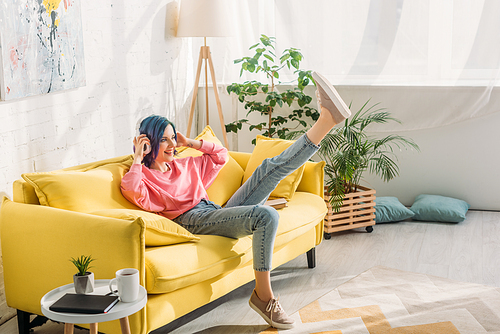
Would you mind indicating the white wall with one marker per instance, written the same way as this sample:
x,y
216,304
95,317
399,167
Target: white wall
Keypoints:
x,y
133,67
460,160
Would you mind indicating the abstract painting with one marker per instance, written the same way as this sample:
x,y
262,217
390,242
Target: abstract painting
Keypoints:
x,y
41,47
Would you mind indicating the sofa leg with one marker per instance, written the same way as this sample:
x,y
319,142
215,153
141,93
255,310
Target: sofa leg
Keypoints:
x,y
24,324
311,258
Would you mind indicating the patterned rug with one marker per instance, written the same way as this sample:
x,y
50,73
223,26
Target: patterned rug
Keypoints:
x,y
388,301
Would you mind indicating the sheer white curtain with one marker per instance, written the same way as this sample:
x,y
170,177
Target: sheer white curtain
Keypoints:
x,y
445,53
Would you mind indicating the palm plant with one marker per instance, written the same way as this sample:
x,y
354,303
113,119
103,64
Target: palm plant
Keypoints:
x,y
349,152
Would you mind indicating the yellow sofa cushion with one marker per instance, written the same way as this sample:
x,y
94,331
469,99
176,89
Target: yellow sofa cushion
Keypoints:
x,y
160,231
303,212
83,191
174,267
229,178
268,148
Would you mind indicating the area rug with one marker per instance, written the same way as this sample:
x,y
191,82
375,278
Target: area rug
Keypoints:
x,y
389,301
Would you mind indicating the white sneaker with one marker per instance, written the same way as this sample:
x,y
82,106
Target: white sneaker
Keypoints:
x,y
330,99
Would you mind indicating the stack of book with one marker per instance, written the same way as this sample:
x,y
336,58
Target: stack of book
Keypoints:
x,y
278,203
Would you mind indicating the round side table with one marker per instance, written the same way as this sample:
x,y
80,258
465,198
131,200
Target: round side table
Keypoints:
x,y
101,287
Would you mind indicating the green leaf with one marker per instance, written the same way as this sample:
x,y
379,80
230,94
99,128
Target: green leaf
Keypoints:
x,y
269,57
284,58
82,264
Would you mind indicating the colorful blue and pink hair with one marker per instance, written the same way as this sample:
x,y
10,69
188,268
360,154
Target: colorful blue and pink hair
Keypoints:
x,y
154,127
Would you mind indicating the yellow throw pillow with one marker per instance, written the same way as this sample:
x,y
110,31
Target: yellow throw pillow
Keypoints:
x,y
226,183
229,178
160,231
207,134
82,191
268,148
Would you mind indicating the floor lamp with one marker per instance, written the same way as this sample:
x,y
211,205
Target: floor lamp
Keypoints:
x,y
205,18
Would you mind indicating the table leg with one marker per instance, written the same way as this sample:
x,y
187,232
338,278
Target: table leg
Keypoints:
x,y
93,328
125,325
68,328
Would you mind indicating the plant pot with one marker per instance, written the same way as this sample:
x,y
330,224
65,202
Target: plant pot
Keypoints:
x,y
84,284
358,210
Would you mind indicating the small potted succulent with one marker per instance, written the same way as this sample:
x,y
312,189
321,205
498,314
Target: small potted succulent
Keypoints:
x,y
83,279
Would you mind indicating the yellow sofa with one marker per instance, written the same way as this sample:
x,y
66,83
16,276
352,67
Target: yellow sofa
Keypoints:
x,y
180,271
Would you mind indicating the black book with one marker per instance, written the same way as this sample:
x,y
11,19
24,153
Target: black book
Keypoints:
x,y
79,303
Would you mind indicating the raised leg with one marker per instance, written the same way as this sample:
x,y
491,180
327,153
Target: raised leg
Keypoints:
x,y
68,328
311,258
124,324
271,171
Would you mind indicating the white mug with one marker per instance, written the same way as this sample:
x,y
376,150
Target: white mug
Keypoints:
x,y
127,282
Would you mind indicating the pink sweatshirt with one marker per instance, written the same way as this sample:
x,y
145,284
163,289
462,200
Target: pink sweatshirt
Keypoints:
x,y
172,193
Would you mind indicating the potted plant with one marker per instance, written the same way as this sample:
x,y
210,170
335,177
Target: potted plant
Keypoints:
x,y
83,279
349,152
264,99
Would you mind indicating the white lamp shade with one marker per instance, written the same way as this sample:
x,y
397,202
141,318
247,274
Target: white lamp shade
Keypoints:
x,y
204,18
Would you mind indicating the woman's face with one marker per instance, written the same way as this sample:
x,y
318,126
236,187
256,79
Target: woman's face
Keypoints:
x,y
167,145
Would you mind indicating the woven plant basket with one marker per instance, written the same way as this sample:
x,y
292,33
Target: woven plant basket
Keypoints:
x,y
358,210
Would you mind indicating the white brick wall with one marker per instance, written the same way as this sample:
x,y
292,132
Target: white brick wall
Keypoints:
x,y
132,69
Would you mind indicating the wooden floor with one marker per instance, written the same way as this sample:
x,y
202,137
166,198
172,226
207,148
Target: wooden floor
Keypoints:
x,y
468,251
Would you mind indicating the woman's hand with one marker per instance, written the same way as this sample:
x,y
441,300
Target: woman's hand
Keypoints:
x,y
181,140
139,143
184,141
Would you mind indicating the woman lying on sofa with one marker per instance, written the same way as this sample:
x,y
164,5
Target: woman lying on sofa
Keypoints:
x,y
176,188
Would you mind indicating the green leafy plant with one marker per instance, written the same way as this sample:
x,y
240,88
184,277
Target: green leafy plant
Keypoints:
x,y
265,60
349,152
82,263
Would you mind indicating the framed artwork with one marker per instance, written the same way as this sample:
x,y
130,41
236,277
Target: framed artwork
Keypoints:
x,y
41,47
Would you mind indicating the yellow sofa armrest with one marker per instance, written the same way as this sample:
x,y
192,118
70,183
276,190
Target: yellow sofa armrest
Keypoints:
x,y
38,241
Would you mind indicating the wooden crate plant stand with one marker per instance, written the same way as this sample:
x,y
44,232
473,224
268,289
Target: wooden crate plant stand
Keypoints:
x,y
358,210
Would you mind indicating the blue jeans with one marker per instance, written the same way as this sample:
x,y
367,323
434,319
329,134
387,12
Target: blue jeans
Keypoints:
x,y
244,213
